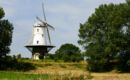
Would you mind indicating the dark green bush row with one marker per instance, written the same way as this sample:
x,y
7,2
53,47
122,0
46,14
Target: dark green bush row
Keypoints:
x,y
11,63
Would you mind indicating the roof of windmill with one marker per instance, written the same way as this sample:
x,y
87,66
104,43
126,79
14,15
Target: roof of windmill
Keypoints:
x,y
38,24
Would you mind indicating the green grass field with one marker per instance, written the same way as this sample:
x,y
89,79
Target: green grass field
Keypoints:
x,y
60,71
22,76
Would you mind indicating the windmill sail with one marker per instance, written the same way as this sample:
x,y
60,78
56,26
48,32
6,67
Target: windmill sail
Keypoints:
x,y
43,11
31,38
46,25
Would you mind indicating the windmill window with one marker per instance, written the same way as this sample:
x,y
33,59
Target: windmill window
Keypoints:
x,y
42,35
37,42
37,30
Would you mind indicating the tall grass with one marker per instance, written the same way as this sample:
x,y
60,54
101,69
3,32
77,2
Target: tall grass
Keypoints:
x,y
23,76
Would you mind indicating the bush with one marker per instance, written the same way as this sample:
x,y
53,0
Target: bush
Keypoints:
x,y
11,63
68,53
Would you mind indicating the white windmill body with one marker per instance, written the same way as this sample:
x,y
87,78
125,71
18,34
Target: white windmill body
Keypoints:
x,y
39,35
38,43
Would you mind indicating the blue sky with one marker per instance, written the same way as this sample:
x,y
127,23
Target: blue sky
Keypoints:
x,y
64,15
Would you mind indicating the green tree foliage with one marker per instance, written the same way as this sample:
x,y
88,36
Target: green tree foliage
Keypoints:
x,y
69,53
6,29
19,57
41,56
12,63
106,36
8,62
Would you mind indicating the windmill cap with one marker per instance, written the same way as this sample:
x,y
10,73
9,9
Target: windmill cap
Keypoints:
x,y
38,24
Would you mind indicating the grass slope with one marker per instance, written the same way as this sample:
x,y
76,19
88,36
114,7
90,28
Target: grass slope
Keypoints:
x,y
61,71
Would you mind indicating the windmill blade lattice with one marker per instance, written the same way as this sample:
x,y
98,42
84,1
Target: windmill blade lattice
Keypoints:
x,y
45,24
43,11
31,38
39,19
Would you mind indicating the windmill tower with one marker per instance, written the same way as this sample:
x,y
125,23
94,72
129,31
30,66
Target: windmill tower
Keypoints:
x,y
40,34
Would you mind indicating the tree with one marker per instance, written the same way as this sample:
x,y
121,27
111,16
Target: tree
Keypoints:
x,y
6,29
19,57
106,35
69,53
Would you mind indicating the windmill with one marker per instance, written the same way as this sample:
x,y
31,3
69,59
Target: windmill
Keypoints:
x,y
40,34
